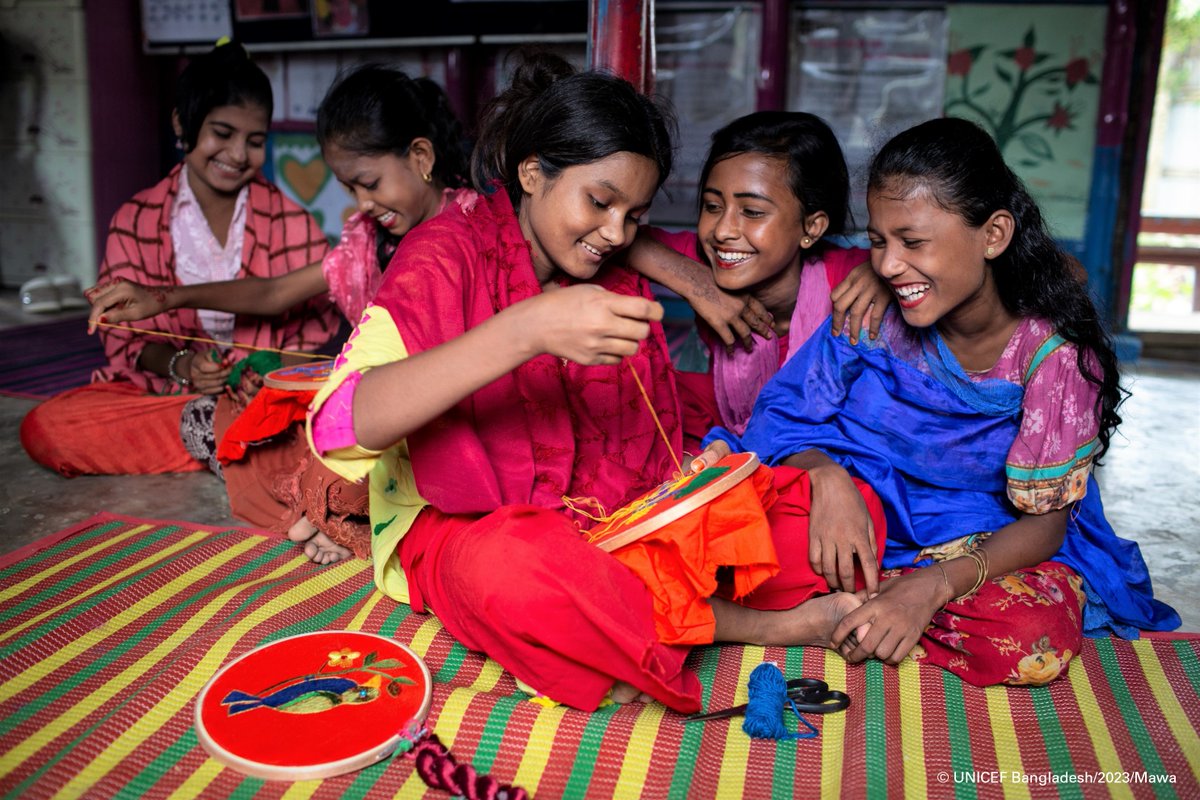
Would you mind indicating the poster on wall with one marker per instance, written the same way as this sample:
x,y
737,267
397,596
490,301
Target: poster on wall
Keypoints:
x,y
339,18
869,73
296,167
185,21
249,10
707,65
1029,74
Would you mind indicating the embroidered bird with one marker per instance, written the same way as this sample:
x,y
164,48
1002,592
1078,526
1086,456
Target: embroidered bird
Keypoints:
x,y
310,696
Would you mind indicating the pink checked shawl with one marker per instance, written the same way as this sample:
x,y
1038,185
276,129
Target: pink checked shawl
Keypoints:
x,y
280,237
546,429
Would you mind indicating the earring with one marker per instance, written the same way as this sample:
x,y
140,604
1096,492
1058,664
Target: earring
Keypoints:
x,y
427,177
806,241
991,251
178,143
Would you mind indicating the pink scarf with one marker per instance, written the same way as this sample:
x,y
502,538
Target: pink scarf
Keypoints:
x,y
739,376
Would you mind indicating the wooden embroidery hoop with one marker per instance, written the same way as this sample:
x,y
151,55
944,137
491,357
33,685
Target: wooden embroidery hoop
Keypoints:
x,y
301,377
379,725
671,501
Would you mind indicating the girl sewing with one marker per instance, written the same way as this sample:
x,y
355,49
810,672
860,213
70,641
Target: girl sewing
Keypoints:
x,y
212,217
497,374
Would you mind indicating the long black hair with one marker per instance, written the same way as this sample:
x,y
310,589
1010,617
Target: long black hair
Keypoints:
x,y
817,171
224,76
375,110
567,119
962,169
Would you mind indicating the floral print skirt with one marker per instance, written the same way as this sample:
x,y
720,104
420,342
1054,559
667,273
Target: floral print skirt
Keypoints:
x,y
1020,628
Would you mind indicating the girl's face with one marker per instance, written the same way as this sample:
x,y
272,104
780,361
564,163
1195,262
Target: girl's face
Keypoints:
x,y
575,221
751,223
388,187
230,148
931,258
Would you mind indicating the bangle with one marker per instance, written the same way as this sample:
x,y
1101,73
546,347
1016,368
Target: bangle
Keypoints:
x,y
979,556
175,376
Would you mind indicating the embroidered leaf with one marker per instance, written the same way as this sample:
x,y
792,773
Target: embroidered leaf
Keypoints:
x,y
370,659
387,663
378,529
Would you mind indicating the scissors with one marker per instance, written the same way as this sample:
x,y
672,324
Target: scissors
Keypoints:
x,y
811,696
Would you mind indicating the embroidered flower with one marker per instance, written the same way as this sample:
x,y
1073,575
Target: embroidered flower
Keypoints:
x,y
1025,57
1060,119
343,658
1077,70
959,62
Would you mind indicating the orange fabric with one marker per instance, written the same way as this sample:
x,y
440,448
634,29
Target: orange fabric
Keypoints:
x,y
679,562
271,412
108,429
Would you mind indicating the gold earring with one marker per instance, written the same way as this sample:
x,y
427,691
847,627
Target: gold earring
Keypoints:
x,y
806,241
991,251
427,177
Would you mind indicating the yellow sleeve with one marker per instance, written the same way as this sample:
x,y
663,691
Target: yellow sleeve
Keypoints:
x,y
394,500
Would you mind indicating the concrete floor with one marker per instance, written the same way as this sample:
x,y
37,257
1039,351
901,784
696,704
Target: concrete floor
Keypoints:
x,y
1150,480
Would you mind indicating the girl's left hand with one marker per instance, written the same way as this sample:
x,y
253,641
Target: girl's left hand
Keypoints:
x,y
862,298
889,625
715,451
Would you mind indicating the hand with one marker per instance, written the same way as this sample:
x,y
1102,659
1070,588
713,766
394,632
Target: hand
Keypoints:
x,y
861,298
207,371
734,317
840,531
889,625
588,324
249,385
125,301
715,451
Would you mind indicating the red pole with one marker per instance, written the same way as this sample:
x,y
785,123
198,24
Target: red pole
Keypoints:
x,y
773,58
621,39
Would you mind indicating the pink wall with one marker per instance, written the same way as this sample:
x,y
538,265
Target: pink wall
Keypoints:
x,y
126,106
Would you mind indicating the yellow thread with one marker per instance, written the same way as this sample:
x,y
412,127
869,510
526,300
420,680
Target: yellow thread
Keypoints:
x,y
654,414
215,341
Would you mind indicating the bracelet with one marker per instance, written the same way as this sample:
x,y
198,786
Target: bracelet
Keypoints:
x,y
171,368
980,557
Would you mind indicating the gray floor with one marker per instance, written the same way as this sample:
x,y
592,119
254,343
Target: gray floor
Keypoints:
x,y
1151,480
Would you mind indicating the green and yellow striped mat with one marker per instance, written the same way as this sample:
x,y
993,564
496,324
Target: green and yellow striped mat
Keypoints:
x,y
109,631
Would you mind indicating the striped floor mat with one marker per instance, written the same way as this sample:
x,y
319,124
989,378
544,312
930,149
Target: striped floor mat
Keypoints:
x,y
108,632
41,359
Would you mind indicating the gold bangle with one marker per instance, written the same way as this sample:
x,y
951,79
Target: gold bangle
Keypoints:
x,y
942,570
979,556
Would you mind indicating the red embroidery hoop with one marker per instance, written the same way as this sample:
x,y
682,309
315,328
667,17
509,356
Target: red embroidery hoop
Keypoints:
x,y
300,377
262,713
671,501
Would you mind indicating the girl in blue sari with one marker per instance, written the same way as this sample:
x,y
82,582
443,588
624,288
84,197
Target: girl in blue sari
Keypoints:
x,y
977,416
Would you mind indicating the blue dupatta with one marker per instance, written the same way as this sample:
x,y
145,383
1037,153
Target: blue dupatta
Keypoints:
x,y
933,445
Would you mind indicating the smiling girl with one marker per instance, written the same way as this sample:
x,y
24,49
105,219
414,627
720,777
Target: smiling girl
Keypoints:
x,y
773,189
212,218
977,416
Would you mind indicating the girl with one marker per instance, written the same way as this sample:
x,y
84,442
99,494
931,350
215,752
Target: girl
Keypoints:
x,y
977,416
212,216
773,187
493,377
396,146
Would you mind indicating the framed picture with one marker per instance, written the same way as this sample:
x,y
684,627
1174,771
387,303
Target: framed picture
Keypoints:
x,y
339,18
248,10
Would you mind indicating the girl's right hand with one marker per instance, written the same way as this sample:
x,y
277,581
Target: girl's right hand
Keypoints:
x,y
124,301
840,532
208,372
591,325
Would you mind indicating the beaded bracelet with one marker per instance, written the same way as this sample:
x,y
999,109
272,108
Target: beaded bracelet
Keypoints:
x,y
171,368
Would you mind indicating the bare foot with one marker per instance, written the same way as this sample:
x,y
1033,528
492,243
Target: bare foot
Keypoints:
x,y
319,548
810,623
623,692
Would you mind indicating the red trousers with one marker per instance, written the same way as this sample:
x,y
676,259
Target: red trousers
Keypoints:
x,y
523,586
108,429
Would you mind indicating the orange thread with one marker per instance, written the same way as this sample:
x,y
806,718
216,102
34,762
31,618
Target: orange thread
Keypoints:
x,y
657,423
150,332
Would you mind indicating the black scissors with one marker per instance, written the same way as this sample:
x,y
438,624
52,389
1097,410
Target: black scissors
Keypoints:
x,y
811,696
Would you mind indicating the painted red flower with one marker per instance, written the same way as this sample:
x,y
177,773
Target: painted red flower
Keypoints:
x,y
1025,56
959,62
1077,70
1060,118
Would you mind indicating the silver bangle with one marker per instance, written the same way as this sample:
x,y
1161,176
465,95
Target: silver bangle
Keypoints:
x,y
171,368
